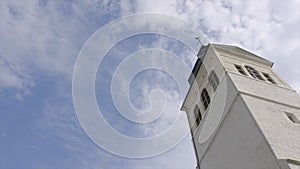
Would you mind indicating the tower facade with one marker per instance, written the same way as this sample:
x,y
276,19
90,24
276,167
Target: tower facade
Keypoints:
x,y
242,115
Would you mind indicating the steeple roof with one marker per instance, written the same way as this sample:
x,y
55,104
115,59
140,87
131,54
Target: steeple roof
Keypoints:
x,y
236,49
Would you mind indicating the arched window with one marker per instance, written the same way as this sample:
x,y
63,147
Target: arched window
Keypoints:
x,y
268,77
213,80
240,70
197,115
253,72
205,98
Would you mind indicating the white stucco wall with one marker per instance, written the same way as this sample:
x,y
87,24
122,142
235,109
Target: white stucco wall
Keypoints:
x,y
268,104
254,131
238,144
210,62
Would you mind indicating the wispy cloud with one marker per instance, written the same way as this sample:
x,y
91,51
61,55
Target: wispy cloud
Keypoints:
x,y
59,125
43,38
269,28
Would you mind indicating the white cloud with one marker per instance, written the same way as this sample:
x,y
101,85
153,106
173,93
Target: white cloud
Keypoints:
x,y
44,37
268,28
181,156
47,36
59,124
15,76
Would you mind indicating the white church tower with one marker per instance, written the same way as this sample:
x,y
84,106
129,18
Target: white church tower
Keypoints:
x,y
242,115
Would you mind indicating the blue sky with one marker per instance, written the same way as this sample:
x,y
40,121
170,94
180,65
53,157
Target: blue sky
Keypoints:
x,y
39,44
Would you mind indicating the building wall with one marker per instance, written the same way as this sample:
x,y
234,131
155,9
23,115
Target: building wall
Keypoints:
x,y
282,134
230,58
238,144
210,62
245,125
219,107
268,105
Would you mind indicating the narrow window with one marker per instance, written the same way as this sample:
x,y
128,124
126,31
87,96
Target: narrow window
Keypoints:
x,y
197,115
254,73
268,77
213,80
292,117
205,98
240,69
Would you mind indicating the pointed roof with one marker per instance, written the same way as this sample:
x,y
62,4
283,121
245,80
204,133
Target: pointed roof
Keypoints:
x,y
236,49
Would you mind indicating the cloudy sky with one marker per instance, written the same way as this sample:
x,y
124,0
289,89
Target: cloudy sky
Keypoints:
x,y
40,41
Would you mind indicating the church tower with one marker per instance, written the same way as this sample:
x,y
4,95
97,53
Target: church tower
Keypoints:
x,y
242,115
